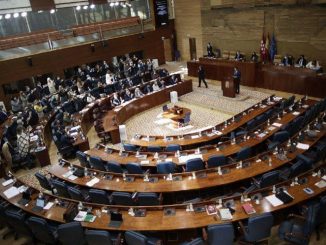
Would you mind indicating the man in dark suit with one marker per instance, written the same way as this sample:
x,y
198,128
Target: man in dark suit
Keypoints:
x,y
210,50
254,57
236,79
238,56
287,60
201,76
302,62
3,115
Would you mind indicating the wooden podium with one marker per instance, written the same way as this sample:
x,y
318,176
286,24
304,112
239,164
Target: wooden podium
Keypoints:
x,y
228,87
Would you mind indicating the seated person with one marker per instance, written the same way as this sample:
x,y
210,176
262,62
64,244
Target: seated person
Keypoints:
x,y
173,80
138,93
254,57
66,119
301,62
314,65
287,60
155,87
238,56
147,89
128,95
3,115
116,100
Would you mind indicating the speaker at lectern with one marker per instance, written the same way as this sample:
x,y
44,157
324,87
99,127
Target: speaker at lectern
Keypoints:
x,y
123,133
174,97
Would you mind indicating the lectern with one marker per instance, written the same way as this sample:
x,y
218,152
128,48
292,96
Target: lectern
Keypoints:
x,y
228,87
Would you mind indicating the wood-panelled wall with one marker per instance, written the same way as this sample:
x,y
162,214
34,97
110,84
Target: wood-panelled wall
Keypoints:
x,y
57,60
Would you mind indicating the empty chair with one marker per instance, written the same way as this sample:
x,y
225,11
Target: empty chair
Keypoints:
x,y
222,234
148,199
130,147
98,237
99,196
216,161
251,125
82,157
298,167
114,167
134,168
17,222
298,229
61,187
71,233
136,238
197,241
122,198
258,228
321,217
154,148
44,182
186,119
97,163
172,148
268,179
194,165
77,194
243,154
165,168
42,231
278,138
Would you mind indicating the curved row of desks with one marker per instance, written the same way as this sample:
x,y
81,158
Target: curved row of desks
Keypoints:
x,y
185,181
180,218
227,148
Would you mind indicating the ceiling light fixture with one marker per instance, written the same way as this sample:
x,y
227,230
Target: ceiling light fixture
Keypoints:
x,y
85,7
7,16
23,14
52,11
78,8
92,6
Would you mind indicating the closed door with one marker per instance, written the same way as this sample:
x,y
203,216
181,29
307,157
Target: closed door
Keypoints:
x,y
192,48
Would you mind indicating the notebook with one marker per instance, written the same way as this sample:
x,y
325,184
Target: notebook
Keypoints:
x,y
211,209
225,214
284,197
248,208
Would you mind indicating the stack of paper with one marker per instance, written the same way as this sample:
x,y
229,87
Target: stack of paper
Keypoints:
x,y
225,214
93,182
11,192
274,201
302,146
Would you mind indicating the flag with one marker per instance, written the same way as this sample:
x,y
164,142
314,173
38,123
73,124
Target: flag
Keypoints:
x,y
263,54
272,48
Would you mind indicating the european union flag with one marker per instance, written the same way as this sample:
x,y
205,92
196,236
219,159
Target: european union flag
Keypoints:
x,y
272,48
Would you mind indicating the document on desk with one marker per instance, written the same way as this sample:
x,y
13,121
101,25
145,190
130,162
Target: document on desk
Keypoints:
x,y
274,201
11,192
277,125
302,146
67,174
72,177
48,205
296,113
144,162
8,182
93,182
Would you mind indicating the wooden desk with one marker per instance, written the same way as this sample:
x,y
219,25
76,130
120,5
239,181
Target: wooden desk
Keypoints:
x,y
120,114
181,220
171,114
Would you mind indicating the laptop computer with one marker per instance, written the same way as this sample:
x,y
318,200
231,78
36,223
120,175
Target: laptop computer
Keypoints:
x,y
26,197
40,204
116,219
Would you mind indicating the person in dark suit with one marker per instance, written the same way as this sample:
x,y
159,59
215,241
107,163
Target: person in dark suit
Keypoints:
x,y
237,79
254,57
3,115
287,60
302,62
238,56
201,76
210,50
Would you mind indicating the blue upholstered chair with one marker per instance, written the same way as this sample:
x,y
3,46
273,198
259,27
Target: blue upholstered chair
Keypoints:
x,y
77,194
122,198
136,238
130,147
197,241
268,179
148,199
321,216
172,148
216,161
298,229
17,222
114,167
165,167
97,163
278,138
99,196
194,165
42,231
61,187
134,168
98,237
243,154
258,228
44,182
154,148
82,157
71,233
222,234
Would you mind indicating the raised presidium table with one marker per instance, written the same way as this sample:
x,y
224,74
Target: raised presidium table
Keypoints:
x,y
287,79
176,113
172,217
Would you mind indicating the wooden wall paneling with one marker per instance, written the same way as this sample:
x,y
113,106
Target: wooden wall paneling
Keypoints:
x,y
42,5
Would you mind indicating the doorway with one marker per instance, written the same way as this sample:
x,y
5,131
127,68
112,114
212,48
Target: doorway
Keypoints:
x,y
192,48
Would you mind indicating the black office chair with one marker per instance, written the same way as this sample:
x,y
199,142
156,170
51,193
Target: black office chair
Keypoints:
x,y
97,163
136,238
148,199
71,233
44,182
98,237
134,168
122,198
82,157
42,231
99,196
17,221
222,234
61,188
77,194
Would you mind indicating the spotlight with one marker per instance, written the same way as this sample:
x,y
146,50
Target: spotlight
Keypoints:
x,y
123,5
7,16
111,4
78,8
16,15
40,11
0,17
85,7
24,14
52,11
116,3
92,6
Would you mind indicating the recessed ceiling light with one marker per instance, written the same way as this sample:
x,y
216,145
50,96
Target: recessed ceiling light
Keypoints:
x,y
78,8
52,11
111,4
116,3
16,15
92,6
24,14
85,7
7,16
0,17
